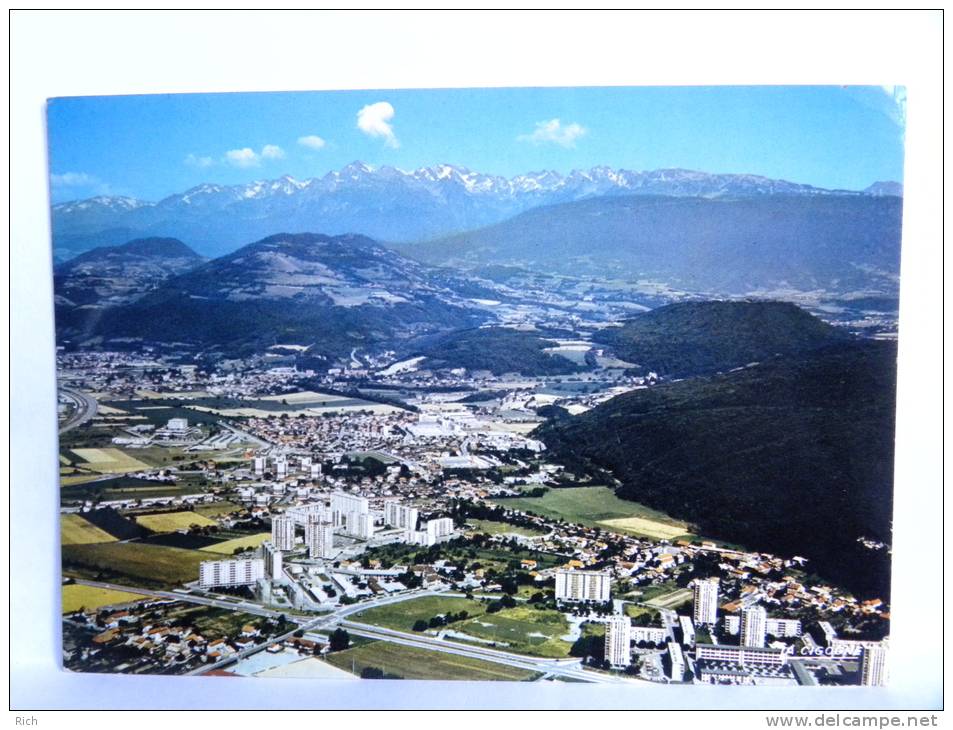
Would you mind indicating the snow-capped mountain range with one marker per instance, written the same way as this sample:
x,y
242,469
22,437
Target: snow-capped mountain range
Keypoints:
x,y
386,203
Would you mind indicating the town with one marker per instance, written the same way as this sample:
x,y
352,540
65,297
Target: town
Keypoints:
x,y
381,520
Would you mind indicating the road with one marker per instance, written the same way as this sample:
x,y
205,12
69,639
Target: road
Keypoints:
x,y
244,606
568,668
84,408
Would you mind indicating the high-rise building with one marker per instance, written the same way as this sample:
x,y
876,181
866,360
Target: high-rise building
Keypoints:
x,y
676,662
582,585
342,504
440,527
272,557
706,601
398,515
359,525
259,465
281,467
214,573
283,532
618,650
753,626
319,535
873,672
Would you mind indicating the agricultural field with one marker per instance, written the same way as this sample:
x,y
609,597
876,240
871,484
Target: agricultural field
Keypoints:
x,y
172,521
647,528
131,563
95,487
90,598
596,507
75,530
491,527
109,461
228,547
401,616
522,630
409,662
214,509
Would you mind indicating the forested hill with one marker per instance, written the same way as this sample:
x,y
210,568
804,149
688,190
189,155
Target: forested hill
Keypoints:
x,y
793,457
690,338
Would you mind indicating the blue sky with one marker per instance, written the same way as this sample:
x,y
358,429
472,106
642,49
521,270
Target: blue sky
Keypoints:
x,y
152,146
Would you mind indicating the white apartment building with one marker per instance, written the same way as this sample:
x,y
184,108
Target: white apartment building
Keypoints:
x,y
215,573
753,626
785,628
651,634
873,671
676,661
688,630
398,515
440,527
742,655
283,532
259,465
706,601
618,650
343,504
359,525
272,557
582,585
732,625
304,513
319,536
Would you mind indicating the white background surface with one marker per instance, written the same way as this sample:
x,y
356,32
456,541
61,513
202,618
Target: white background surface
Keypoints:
x,y
61,53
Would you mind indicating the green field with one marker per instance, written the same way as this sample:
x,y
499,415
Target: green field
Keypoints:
x,y
401,616
491,527
75,530
410,662
90,598
131,563
591,506
522,630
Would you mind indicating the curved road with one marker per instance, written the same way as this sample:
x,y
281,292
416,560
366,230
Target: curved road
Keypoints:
x,y
84,408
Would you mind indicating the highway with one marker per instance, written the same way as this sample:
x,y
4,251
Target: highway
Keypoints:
x,y
568,668
84,408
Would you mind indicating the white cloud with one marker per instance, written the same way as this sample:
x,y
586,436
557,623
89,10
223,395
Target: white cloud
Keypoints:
x,y
245,157
374,121
198,161
73,180
272,152
554,131
311,141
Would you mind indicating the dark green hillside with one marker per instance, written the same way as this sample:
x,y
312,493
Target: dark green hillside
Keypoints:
x,y
499,350
791,457
690,338
725,244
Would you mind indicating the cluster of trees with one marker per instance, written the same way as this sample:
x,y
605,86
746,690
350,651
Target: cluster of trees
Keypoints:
x,y
339,640
442,620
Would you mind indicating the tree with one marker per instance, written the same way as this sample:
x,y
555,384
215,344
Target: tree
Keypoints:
x,y
372,673
420,625
340,640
